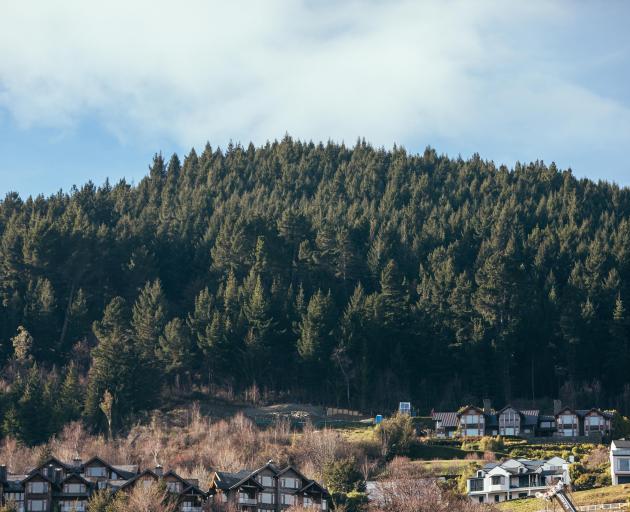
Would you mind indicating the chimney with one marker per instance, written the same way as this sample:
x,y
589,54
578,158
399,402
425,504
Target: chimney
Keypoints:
x,y
487,405
3,473
77,462
159,471
557,407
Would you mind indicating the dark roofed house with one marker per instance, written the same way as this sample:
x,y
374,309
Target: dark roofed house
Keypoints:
x,y
67,487
473,421
269,488
445,423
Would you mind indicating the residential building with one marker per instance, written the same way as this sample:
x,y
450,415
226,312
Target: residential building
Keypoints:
x,y
67,486
516,478
620,462
471,421
268,488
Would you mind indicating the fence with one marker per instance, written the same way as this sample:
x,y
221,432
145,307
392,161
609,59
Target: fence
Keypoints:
x,y
605,506
333,411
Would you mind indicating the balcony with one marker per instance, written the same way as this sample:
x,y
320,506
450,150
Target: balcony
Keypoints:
x,y
246,500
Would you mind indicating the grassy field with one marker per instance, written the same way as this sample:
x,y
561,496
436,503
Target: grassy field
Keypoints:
x,y
443,467
612,494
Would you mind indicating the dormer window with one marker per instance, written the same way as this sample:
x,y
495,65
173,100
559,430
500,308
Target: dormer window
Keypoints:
x,y
96,471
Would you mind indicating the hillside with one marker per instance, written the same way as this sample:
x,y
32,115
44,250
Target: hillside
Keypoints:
x,y
299,271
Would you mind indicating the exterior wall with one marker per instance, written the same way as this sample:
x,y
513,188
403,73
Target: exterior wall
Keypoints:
x,y
510,422
619,465
472,423
596,423
499,485
35,500
567,424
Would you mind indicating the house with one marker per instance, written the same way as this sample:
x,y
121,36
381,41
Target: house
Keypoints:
x,y
186,492
620,461
67,486
471,421
585,422
268,488
445,424
516,478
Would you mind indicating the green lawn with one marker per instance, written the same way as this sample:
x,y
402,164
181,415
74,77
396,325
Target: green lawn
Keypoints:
x,y
443,467
611,494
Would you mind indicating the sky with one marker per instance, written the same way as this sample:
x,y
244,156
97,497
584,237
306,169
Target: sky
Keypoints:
x,y
90,91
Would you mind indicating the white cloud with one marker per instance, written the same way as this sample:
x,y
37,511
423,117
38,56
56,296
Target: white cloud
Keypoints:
x,y
397,71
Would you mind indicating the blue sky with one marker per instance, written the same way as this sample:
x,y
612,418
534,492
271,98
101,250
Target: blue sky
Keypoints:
x,y
87,93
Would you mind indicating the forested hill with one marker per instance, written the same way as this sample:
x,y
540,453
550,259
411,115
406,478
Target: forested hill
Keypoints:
x,y
319,270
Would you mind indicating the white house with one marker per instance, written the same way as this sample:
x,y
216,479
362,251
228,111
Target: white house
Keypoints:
x,y
620,461
516,478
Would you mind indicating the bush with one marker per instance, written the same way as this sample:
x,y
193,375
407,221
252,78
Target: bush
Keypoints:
x,y
491,444
397,435
342,477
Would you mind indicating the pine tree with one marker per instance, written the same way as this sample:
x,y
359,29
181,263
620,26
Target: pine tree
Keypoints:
x,y
33,411
69,403
175,352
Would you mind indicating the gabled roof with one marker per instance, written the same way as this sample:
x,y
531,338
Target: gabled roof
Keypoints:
x,y
146,472
468,408
566,409
188,486
76,476
291,468
226,481
53,461
605,414
508,406
37,474
313,485
270,465
127,470
448,419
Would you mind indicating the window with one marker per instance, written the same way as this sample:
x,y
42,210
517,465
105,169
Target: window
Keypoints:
x,y
324,505
73,506
37,487
147,482
476,485
36,505
266,481
308,501
623,464
74,488
497,480
496,498
288,499
267,498
96,471
174,486
290,483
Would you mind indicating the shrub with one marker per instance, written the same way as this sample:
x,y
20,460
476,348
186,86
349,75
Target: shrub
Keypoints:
x,y
397,435
342,477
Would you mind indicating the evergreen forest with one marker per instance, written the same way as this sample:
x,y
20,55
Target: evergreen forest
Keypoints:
x,y
350,276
